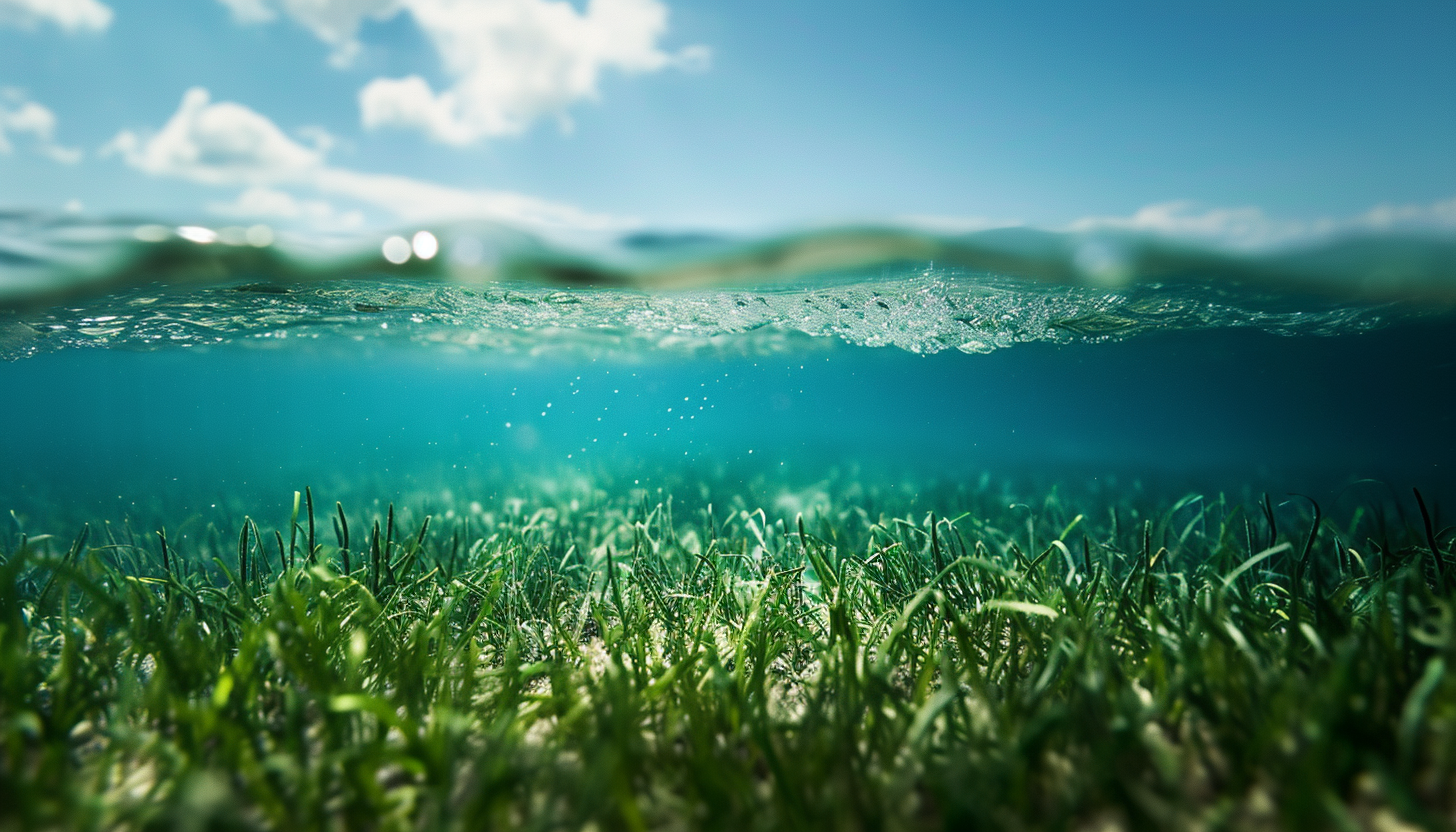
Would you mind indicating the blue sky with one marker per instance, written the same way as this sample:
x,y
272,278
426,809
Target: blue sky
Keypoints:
x,y
1265,120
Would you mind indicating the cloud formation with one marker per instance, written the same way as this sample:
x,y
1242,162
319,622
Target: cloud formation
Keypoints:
x,y
262,202
510,62
70,15
1251,227
228,144
20,116
1182,218
516,61
1437,215
335,22
218,144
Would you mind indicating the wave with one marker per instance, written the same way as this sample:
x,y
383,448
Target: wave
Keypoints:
x,y
122,283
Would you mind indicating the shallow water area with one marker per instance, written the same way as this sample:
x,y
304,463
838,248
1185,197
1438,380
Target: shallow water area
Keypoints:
x,y
151,360
591,520
175,430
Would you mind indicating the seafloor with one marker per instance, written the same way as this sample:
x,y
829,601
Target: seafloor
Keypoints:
x,y
713,655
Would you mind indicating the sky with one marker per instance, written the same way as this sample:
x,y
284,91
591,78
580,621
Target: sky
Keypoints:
x,y
1252,120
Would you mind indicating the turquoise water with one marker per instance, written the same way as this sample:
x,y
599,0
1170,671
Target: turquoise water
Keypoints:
x,y
156,372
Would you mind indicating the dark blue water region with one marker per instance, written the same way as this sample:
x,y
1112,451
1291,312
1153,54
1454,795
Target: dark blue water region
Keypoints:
x,y
102,432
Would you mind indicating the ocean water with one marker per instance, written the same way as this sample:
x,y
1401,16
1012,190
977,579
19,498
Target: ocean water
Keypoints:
x,y
170,373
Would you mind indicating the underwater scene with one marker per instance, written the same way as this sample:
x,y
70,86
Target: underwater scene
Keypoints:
x,y
676,415
803,532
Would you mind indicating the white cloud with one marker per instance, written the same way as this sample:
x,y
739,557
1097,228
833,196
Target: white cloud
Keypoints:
x,y
22,116
335,22
1251,227
225,143
413,199
261,202
250,11
509,62
1247,225
218,144
322,140
70,15
514,62
1437,215
63,155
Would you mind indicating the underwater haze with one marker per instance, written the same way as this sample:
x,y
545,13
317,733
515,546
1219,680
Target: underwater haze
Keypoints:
x,y
171,372
162,370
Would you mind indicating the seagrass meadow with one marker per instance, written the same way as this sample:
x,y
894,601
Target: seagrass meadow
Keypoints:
x,y
705,657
